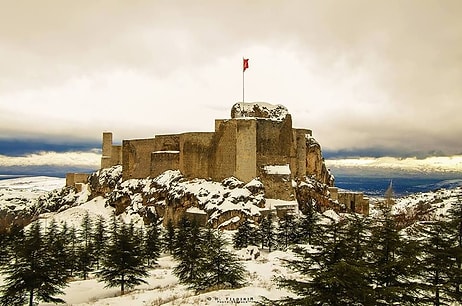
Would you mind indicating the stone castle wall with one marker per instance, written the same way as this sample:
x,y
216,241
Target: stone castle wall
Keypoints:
x,y
224,152
243,147
195,154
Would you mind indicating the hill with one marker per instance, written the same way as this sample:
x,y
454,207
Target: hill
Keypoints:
x,y
163,287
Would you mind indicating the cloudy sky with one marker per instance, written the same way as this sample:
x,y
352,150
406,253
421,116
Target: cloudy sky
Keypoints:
x,y
370,78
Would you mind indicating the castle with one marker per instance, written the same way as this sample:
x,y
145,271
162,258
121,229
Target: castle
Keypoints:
x,y
258,141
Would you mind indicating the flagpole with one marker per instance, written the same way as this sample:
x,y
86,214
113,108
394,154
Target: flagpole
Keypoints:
x,y
243,73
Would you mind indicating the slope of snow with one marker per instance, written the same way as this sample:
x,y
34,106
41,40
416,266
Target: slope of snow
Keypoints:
x,y
35,183
433,204
163,287
74,215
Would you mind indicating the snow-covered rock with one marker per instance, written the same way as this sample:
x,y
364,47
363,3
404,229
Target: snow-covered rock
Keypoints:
x,y
259,110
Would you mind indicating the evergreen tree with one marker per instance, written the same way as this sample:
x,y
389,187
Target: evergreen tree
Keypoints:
x,y
307,226
188,253
245,235
286,231
438,261
65,249
31,275
152,243
394,262
15,234
220,268
267,232
99,240
330,276
123,262
85,248
169,237
455,228
4,250
56,250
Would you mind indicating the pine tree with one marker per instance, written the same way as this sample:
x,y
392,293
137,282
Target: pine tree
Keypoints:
x,y
267,232
56,250
307,227
85,248
455,229
329,275
438,261
31,276
99,240
4,250
245,235
394,262
152,243
188,253
168,240
123,264
286,231
220,268
65,249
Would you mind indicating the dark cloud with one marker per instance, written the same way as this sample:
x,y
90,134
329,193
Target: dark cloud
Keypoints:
x,y
390,70
21,147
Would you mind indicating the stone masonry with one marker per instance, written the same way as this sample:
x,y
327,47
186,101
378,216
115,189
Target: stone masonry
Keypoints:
x,y
258,141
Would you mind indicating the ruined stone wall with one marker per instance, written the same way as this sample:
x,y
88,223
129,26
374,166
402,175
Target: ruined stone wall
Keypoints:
x,y
116,155
224,149
275,147
195,154
106,150
299,156
246,157
77,180
136,158
136,154
354,202
111,154
274,141
162,161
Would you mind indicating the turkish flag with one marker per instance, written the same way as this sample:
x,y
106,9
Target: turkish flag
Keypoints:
x,y
245,63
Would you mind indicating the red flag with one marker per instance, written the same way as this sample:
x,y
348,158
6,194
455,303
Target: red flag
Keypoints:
x,y
245,63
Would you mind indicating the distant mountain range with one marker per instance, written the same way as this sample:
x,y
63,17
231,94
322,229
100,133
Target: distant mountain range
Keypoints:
x,y
402,186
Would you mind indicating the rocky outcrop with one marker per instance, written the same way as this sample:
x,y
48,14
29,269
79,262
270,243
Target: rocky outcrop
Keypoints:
x,y
170,196
313,194
315,163
259,110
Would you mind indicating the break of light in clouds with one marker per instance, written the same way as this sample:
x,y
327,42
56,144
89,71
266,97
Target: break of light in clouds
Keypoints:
x,y
360,74
411,165
90,159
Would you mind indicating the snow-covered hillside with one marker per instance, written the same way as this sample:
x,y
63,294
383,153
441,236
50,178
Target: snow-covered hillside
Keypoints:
x,y
427,205
163,287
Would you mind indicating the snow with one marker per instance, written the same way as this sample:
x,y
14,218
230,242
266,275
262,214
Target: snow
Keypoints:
x,y
163,287
35,183
195,210
277,169
74,215
254,183
170,152
436,203
276,112
273,203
